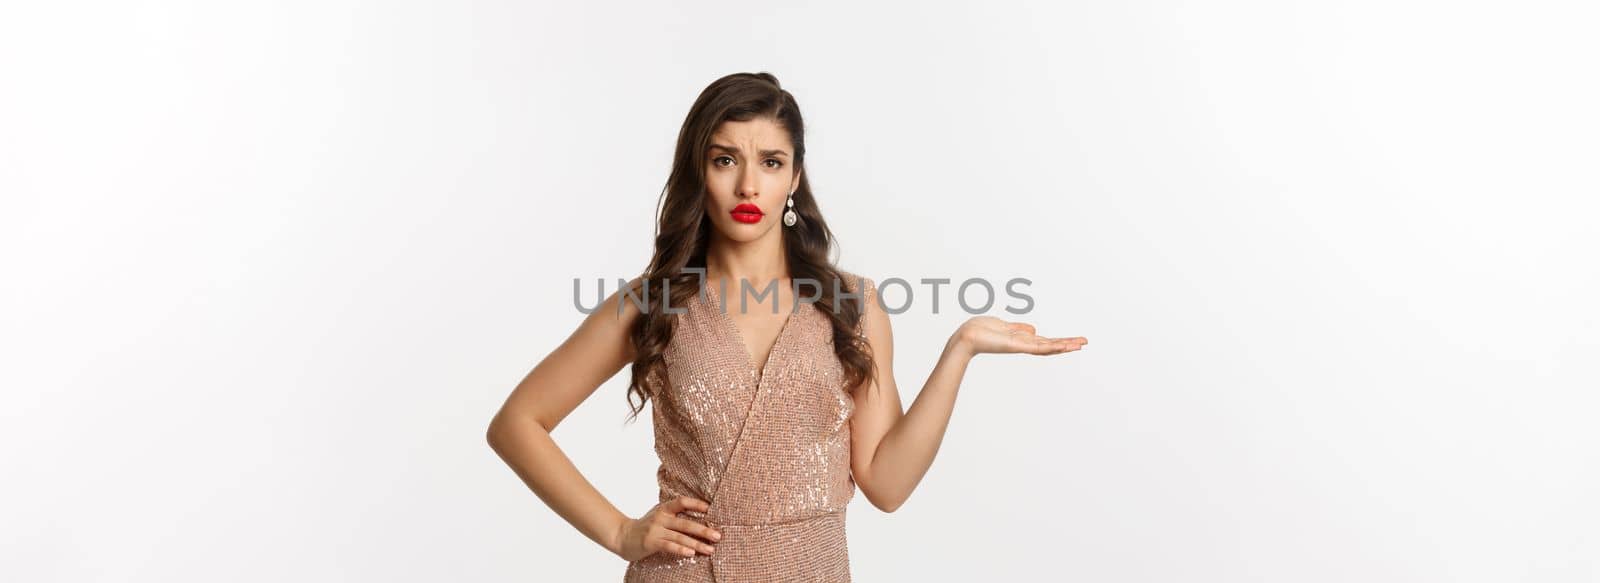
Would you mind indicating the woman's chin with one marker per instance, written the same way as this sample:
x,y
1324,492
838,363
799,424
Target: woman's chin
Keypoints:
x,y
744,232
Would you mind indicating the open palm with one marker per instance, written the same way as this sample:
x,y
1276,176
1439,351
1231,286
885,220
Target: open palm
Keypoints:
x,y
988,334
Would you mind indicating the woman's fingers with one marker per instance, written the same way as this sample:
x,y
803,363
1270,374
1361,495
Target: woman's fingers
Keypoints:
x,y
1031,344
690,503
1035,344
1069,344
1059,345
695,528
666,546
684,540
674,506
1047,346
671,534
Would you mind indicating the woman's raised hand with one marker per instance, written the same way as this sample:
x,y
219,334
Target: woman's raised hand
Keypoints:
x,y
988,334
662,530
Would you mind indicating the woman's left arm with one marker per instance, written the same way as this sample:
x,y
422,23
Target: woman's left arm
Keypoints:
x,y
891,450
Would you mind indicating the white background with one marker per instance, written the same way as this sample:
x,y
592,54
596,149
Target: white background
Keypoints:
x,y
270,268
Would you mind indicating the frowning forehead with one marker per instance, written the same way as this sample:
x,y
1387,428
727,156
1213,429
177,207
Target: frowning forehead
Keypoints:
x,y
763,153
758,137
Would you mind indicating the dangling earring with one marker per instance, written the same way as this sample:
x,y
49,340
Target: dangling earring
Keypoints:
x,y
788,216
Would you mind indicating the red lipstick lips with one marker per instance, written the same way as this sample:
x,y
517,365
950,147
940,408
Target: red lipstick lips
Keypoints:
x,y
747,213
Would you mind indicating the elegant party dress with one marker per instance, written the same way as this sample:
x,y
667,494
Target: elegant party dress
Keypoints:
x,y
770,452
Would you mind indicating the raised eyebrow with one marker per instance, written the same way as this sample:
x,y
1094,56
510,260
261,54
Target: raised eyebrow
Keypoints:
x,y
763,153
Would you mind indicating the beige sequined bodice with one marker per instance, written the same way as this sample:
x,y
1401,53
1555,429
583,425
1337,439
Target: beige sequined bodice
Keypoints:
x,y
770,452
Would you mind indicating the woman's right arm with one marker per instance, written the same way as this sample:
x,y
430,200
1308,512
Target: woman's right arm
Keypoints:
x,y
520,435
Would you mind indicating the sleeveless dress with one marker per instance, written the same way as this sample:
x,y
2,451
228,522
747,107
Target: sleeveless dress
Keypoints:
x,y
770,453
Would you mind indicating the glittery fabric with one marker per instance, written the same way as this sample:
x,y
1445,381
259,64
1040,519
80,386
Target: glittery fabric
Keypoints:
x,y
770,452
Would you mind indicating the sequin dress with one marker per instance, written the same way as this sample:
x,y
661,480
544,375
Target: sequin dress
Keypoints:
x,y
770,453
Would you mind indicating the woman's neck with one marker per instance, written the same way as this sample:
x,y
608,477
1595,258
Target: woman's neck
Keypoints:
x,y
758,261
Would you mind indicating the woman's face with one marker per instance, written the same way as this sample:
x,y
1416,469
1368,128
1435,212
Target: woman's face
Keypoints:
x,y
749,163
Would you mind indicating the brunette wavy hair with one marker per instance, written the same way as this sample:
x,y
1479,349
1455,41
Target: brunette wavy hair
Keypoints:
x,y
684,230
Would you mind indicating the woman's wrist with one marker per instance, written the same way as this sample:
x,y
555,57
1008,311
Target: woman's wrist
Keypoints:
x,y
960,344
618,529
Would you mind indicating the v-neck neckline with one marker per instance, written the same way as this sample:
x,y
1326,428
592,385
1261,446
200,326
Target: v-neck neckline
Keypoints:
x,y
719,306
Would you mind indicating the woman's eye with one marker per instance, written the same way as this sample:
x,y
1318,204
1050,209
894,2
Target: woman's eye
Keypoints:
x,y
775,163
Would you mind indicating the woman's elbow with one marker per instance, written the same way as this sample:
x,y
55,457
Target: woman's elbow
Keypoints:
x,y
889,506
499,431
495,435
882,501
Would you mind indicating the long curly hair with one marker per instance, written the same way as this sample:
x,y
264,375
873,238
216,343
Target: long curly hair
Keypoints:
x,y
684,231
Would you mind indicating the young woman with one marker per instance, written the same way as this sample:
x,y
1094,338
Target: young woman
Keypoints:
x,y
766,419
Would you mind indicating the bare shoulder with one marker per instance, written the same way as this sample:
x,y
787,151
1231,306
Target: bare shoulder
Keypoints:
x,y
873,317
856,283
624,304
621,309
